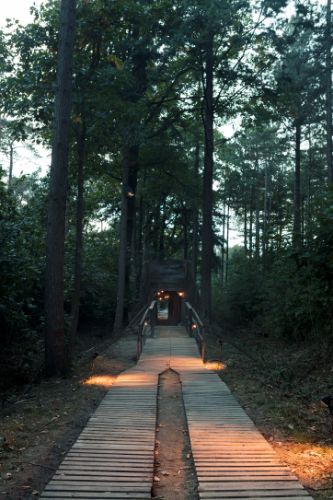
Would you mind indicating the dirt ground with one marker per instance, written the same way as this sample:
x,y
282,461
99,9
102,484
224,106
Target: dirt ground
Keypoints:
x,y
280,386
174,477
41,424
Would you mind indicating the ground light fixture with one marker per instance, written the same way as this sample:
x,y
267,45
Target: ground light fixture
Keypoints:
x,y
327,401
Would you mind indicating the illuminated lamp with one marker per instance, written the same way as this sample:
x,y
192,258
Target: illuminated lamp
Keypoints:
x,y
194,326
181,294
145,323
128,191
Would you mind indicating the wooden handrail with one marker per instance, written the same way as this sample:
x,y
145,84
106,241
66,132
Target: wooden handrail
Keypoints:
x,y
147,311
148,317
196,315
193,318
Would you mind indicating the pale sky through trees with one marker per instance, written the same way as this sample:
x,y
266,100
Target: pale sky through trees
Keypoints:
x,y
19,9
25,160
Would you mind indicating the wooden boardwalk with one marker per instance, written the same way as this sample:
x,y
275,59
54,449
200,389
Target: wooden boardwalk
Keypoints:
x,y
113,457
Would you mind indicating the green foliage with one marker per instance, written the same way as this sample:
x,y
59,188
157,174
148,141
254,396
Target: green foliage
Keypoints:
x,y
139,83
292,298
21,270
237,302
98,295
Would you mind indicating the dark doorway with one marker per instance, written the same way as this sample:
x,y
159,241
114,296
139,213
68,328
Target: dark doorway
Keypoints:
x,y
169,308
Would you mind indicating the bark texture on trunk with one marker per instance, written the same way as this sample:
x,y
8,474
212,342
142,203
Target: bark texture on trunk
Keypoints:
x,y
227,245
329,91
78,241
54,285
122,259
297,235
207,206
195,237
11,164
251,220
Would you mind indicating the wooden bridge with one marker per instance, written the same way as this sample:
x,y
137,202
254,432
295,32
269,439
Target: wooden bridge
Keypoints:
x,y
113,458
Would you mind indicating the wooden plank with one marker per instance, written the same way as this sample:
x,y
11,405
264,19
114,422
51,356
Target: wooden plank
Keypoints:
x,y
231,457
114,455
61,495
255,494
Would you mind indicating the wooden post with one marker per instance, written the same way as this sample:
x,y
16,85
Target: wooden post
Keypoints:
x,y
152,314
190,322
202,350
139,344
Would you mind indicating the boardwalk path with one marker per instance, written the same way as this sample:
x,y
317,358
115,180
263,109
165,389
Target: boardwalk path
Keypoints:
x,y
114,455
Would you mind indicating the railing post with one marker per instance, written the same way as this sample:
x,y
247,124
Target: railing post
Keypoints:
x,y
152,321
139,344
190,322
203,353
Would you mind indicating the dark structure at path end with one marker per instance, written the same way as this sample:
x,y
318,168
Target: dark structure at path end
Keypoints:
x,y
170,282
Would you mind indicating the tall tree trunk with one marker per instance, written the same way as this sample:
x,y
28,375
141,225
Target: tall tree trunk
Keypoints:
x,y
195,238
257,209
185,233
54,285
309,232
11,164
145,226
156,237
297,188
227,244
161,245
122,258
223,245
139,248
245,231
329,91
251,220
81,153
257,249
265,224
133,168
207,212
195,244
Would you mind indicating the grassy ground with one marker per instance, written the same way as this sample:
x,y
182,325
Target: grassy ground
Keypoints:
x,y
280,386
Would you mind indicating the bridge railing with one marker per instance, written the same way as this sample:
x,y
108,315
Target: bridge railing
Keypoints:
x,y
147,323
195,327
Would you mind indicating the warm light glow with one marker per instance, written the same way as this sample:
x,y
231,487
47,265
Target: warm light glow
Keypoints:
x,y
215,364
194,326
181,294
145,323
100,380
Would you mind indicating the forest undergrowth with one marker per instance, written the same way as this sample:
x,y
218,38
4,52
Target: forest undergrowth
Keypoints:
x,y
280,385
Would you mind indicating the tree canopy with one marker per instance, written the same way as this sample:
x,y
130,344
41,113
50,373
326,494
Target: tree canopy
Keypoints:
x,y
154,171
